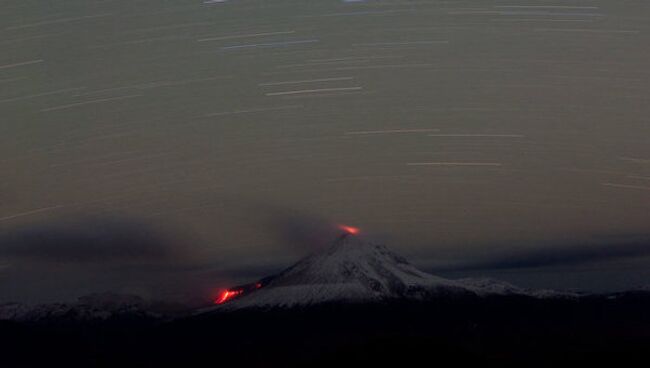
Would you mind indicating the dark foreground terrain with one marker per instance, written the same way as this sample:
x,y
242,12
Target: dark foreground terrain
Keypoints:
x,y
493,330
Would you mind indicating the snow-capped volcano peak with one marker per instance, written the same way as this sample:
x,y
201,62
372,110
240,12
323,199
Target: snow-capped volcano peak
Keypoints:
x,y
350,260
350,270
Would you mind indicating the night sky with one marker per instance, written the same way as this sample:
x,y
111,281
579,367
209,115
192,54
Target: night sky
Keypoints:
x,y
169,148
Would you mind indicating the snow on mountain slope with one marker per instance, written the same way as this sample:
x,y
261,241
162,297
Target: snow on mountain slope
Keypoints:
x,y
94,307
487,286
350,270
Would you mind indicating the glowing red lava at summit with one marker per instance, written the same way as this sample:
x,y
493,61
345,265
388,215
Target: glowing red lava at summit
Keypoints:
x,y
350,229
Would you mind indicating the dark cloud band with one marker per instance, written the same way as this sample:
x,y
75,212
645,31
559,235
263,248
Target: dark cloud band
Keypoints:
x,y
569,254
90,240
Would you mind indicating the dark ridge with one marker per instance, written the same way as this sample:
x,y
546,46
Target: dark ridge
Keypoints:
x,y
448,330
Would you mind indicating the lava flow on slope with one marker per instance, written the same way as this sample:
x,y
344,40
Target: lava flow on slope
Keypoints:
x,y
227,295
230,294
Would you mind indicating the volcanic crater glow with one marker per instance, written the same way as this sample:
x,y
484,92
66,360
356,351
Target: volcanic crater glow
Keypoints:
x,y
350,229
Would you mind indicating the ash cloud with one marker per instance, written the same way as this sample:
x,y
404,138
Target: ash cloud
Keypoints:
x,y
97,240
62,259
290,228
298,229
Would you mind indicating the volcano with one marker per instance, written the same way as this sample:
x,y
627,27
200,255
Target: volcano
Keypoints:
x,y
349,270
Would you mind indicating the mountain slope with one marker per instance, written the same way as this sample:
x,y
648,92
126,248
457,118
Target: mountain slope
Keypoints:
x,y
487,287
95,307
350,270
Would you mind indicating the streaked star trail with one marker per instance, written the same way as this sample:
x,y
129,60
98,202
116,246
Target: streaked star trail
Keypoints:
x,y
470,123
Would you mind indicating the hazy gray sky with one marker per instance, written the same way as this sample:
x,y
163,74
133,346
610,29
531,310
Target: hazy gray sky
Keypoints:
x,y
156,146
